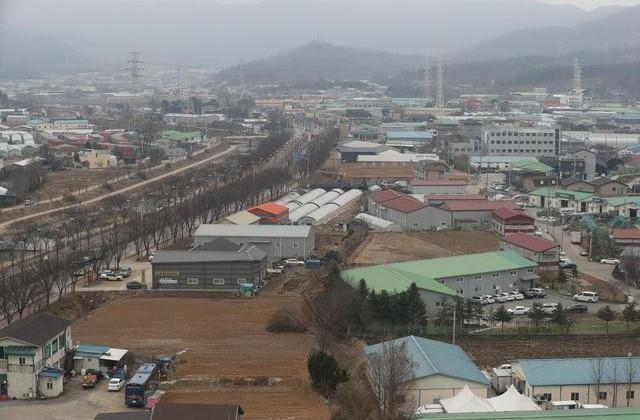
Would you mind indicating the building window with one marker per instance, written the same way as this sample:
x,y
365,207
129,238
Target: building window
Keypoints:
x,y
602,395
478,289
438,303
242,280
192,280
631,395
459,279
441,281
575,396
54,346
513,272
546,396
49,385
22,361
512,284
460,292
495,275
295,245
478,276
218,281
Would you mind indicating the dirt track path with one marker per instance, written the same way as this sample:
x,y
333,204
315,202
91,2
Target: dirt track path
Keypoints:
x,y
3,226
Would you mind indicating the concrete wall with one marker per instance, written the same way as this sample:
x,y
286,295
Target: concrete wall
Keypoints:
x,y
487,283
547,261
434,388
51,387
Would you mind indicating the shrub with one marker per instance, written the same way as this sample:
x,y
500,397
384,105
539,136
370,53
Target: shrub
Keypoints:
x,y
284,320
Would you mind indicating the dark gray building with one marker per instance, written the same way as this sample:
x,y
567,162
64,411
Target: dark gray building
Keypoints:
x,y
219,264
277,241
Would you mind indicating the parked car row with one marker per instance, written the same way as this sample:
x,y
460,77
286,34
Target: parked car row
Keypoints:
x,y
122,273
498,298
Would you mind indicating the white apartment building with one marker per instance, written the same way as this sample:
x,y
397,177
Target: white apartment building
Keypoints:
x,y
516,140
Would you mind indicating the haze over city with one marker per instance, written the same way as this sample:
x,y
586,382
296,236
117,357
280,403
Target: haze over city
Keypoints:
x,y
319,210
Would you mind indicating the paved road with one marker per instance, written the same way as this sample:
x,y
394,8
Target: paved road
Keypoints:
x,y
230,149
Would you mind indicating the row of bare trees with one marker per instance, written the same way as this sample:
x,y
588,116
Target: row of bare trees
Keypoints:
x,y
43,259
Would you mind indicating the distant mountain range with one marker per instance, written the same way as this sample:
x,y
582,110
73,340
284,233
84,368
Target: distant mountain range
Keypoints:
x,y
617,33
204,33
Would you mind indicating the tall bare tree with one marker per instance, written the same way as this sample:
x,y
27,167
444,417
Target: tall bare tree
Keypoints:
x,y
389,372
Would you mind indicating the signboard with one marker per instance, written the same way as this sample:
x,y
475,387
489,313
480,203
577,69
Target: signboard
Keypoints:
x,y
167,281
565,196
167,274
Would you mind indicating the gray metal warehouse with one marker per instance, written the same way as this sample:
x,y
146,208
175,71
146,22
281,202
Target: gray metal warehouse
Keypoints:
x,y
277,241
220,264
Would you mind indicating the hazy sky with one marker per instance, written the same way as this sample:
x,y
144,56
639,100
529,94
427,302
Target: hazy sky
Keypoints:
x,y
592,4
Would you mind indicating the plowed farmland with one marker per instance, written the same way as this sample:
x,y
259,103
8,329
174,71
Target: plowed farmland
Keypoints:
x,y
382,248
226,354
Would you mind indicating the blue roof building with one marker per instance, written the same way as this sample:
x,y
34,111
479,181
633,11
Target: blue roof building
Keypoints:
x,y
439,370
601,380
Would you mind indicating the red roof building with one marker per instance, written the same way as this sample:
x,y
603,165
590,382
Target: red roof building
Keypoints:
x,y
542,251
626,237
448,197
385,195
506,221
270,213
406,204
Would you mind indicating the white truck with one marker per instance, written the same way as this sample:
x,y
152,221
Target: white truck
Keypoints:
x,y
575,237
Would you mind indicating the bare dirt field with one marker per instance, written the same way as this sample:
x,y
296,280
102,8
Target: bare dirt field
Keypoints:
x,y
388,247
225,341
493,351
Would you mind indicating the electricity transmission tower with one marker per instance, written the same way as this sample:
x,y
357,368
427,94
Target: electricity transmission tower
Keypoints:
x,y
427,81
134,70
440,86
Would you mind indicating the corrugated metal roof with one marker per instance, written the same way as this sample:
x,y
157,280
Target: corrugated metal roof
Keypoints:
x,y
406,204
385,195
271,208
478,205
619,201
555,193
259,231
409,135
578,371
390,278
424,273
433,357
247,254
531,242
91,349
242,218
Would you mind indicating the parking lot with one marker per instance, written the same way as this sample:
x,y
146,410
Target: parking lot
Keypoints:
x,y
551,297
75,403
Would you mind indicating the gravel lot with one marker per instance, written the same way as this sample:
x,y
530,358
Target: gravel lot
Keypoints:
x,y
74,404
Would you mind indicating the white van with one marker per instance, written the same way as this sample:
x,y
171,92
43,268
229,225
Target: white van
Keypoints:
x,y
591,297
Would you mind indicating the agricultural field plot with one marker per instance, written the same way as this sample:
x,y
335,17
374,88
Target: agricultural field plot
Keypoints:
x,y
71,180
389,247
489,352
226,354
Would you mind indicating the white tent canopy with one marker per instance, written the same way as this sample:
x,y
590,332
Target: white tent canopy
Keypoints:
x,y
512,400
466,401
